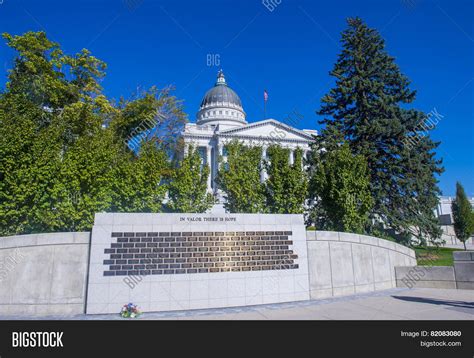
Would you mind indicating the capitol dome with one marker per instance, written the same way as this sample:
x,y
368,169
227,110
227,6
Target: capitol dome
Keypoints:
x,y
221,106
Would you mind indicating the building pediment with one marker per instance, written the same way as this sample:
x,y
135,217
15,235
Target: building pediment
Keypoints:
x,y
268,129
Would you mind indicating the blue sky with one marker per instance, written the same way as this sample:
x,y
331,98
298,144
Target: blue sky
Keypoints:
x,y
288,51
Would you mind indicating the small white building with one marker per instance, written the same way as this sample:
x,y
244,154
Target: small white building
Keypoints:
x,y
443,210
221,119
445,216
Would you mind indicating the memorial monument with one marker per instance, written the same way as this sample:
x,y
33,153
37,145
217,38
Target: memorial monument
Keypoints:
x,y
167,262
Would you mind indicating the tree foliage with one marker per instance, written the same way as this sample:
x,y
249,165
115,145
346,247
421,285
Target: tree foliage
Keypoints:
x,y
287,184
340,185
463,215
188,187
64,147
239,178
366,108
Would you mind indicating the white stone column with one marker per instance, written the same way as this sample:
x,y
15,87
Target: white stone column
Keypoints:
x,y
292,156
220,152
209,162
219,155
263,173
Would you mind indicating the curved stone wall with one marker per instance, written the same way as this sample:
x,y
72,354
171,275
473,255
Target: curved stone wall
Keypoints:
x,y
343,263
46,274
43,274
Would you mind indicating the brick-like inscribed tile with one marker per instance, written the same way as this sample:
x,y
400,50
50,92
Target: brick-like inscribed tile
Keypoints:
x,y
157,253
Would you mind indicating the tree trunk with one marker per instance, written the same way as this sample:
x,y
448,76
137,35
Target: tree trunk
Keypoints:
x,y
465,248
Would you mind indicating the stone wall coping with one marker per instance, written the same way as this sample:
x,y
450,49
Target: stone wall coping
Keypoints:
x,y
118,219
359,239
53,238
463,255
430,273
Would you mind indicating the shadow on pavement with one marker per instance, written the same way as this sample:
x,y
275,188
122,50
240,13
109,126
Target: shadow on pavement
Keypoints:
x,y
435,301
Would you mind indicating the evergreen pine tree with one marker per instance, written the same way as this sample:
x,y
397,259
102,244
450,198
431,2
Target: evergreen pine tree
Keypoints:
x,y
365,109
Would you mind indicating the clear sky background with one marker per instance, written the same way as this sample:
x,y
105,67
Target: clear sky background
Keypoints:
x,y
288,51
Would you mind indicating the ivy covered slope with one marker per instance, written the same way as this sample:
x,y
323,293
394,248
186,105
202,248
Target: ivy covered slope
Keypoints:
x,y
64,147
367,107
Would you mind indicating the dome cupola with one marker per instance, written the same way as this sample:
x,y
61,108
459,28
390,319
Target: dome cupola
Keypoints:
x,y
221,106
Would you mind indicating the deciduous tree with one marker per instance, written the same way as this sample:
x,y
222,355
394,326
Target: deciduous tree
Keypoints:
x,y
65,149
188,187
463,215
239,178
340,186
287,184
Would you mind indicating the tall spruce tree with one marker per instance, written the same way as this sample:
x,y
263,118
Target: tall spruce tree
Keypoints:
x,y
365,109
287,184
463,215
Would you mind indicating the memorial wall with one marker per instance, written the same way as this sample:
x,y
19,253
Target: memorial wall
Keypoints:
x,y
167,262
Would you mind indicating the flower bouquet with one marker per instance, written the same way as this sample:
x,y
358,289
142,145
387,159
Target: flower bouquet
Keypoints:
x,y
130,311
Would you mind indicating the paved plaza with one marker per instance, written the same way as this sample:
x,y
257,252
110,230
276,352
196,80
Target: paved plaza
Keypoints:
x,y
394,304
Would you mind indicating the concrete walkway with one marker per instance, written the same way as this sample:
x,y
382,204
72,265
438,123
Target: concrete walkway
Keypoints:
x,y
394,304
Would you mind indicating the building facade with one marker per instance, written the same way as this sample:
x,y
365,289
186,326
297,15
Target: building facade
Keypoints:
x,y
445,215
221,118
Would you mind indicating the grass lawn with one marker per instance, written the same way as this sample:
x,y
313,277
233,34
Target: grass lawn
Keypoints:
x,y
434,257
